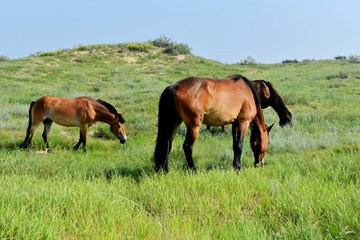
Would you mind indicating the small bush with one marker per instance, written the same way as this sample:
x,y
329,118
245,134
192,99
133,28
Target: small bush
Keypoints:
x,y
82,48
248,61
97,87
49,54
138,47
307,60
290,61
354,59
162,42
4,58
178,49
340,57
103,132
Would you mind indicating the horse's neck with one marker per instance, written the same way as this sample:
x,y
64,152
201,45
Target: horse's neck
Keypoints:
x,y
103,115
259,120
279,107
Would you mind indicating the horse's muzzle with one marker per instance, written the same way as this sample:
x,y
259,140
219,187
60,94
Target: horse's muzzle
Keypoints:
x,y
122,140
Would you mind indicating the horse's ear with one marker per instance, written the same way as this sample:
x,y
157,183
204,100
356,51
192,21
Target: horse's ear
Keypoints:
x,y
268,129
120,118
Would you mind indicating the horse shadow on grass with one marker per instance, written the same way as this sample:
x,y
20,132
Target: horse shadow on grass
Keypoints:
x,y
135,173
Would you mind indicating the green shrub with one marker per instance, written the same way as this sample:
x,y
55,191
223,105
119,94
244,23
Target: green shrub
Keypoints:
x,y
290,61
340,57
82,48
103,132
162,42
248,61
178,49
138,47
49,54
4,58
354,59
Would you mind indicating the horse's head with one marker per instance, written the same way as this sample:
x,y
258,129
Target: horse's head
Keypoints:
x,y
286,119
117,128
259,140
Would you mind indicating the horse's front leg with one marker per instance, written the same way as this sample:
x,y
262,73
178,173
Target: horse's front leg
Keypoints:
x,y
82,139
239,130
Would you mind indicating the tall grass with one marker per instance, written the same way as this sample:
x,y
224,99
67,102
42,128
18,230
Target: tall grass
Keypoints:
x,y
308,189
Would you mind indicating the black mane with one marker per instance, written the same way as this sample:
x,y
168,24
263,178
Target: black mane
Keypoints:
x,y
112,110
110,107
237,77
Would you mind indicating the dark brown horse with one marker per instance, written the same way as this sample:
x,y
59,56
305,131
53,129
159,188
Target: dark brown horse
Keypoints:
x,y
214,102
81,112
269,97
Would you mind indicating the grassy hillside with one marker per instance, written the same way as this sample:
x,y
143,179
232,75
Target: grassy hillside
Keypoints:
x,y
309,188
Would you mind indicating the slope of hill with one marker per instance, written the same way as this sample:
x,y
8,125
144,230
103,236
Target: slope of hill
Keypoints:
x,y
308,189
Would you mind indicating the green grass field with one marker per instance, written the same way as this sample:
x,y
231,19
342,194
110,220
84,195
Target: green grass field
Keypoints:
x,y
308,189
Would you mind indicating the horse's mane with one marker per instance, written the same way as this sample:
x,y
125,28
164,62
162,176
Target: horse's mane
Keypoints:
x,y
112,110
109,107
237,77
274,94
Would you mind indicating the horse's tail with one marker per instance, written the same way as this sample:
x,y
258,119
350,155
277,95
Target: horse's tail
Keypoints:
x,y
279,106
167,120
26,142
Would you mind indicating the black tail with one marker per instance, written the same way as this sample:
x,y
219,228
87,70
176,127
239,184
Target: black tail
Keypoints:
x,y
167,120
279,106
28,138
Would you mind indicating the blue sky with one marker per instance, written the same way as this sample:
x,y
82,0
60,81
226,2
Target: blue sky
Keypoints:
x,y
227,31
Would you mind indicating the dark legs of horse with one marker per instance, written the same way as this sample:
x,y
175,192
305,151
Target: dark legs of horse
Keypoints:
x,y
29,134
238,133
47,125
82,139
27,140
191,135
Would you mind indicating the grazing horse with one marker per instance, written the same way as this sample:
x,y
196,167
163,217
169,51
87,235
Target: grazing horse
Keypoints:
x,y
81,112
269,97
214,102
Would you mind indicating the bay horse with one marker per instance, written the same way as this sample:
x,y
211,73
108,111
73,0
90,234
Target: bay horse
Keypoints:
x,y
268,97
214,102
81,112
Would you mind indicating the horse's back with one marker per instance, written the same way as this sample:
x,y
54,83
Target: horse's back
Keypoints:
x,y
65,111
213,101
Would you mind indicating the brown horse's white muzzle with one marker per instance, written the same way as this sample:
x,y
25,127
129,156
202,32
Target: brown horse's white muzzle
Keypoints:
x,y
122,138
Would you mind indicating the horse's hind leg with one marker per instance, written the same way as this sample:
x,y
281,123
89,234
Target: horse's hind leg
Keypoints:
x,y
47,125
29,134
191,135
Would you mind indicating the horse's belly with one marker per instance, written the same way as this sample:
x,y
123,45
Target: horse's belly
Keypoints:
x,y
218,118
64,120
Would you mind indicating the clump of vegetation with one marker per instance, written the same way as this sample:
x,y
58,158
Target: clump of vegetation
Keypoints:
x,y
354,59
341,75
340,57
287,61
170,47
137,47
103,132
162,42
178,49
82,48
4,58
248,61
49,54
